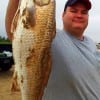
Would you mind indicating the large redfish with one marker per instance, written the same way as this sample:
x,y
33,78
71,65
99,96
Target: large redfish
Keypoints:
x,y
34,29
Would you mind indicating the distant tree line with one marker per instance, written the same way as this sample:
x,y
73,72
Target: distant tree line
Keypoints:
x,y
3,39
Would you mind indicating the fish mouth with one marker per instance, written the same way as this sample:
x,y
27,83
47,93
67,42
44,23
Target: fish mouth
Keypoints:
x,y
42,2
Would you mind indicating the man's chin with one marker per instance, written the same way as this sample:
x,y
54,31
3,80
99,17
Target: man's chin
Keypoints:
x,y
79,27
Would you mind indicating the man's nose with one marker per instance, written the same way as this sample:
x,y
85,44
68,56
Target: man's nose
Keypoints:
x,y
79,14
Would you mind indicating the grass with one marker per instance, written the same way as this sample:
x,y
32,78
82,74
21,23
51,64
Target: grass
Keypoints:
x,y
5,43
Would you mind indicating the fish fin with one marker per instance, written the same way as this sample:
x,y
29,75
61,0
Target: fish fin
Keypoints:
x,y
14,85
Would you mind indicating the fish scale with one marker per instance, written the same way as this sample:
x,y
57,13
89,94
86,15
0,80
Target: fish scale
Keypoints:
x,y
33,31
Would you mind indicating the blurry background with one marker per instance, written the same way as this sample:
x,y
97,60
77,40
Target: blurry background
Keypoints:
x,y
92,31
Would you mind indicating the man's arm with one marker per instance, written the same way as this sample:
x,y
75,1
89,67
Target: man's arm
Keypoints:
x,y
11,9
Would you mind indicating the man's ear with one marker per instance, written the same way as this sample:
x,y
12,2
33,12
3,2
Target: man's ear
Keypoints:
x,y
63,14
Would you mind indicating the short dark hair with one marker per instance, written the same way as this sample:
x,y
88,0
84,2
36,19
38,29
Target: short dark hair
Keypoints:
x,y
87,3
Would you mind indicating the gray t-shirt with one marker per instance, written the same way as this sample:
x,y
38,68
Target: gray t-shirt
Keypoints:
x,y
75,69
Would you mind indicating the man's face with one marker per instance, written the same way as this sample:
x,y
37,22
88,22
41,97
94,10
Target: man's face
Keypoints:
x,y
75,17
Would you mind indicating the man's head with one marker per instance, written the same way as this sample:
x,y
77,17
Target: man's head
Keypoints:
x,y
86,3
75,16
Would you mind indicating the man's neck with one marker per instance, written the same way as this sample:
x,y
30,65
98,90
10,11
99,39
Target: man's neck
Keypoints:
x,y
77,34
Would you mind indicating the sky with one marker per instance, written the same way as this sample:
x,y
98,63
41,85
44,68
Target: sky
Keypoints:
x,y
93,29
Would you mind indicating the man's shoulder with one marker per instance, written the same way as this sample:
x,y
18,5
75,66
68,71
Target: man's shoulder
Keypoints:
x,y
89,38
60,33
61,38
90,41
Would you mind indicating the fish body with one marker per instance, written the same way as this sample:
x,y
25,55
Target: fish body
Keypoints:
x,y
34,29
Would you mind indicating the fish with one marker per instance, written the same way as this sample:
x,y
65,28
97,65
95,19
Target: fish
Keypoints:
x,y
33,28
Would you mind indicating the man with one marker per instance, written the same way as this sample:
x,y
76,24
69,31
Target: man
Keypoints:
x,y
75,70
